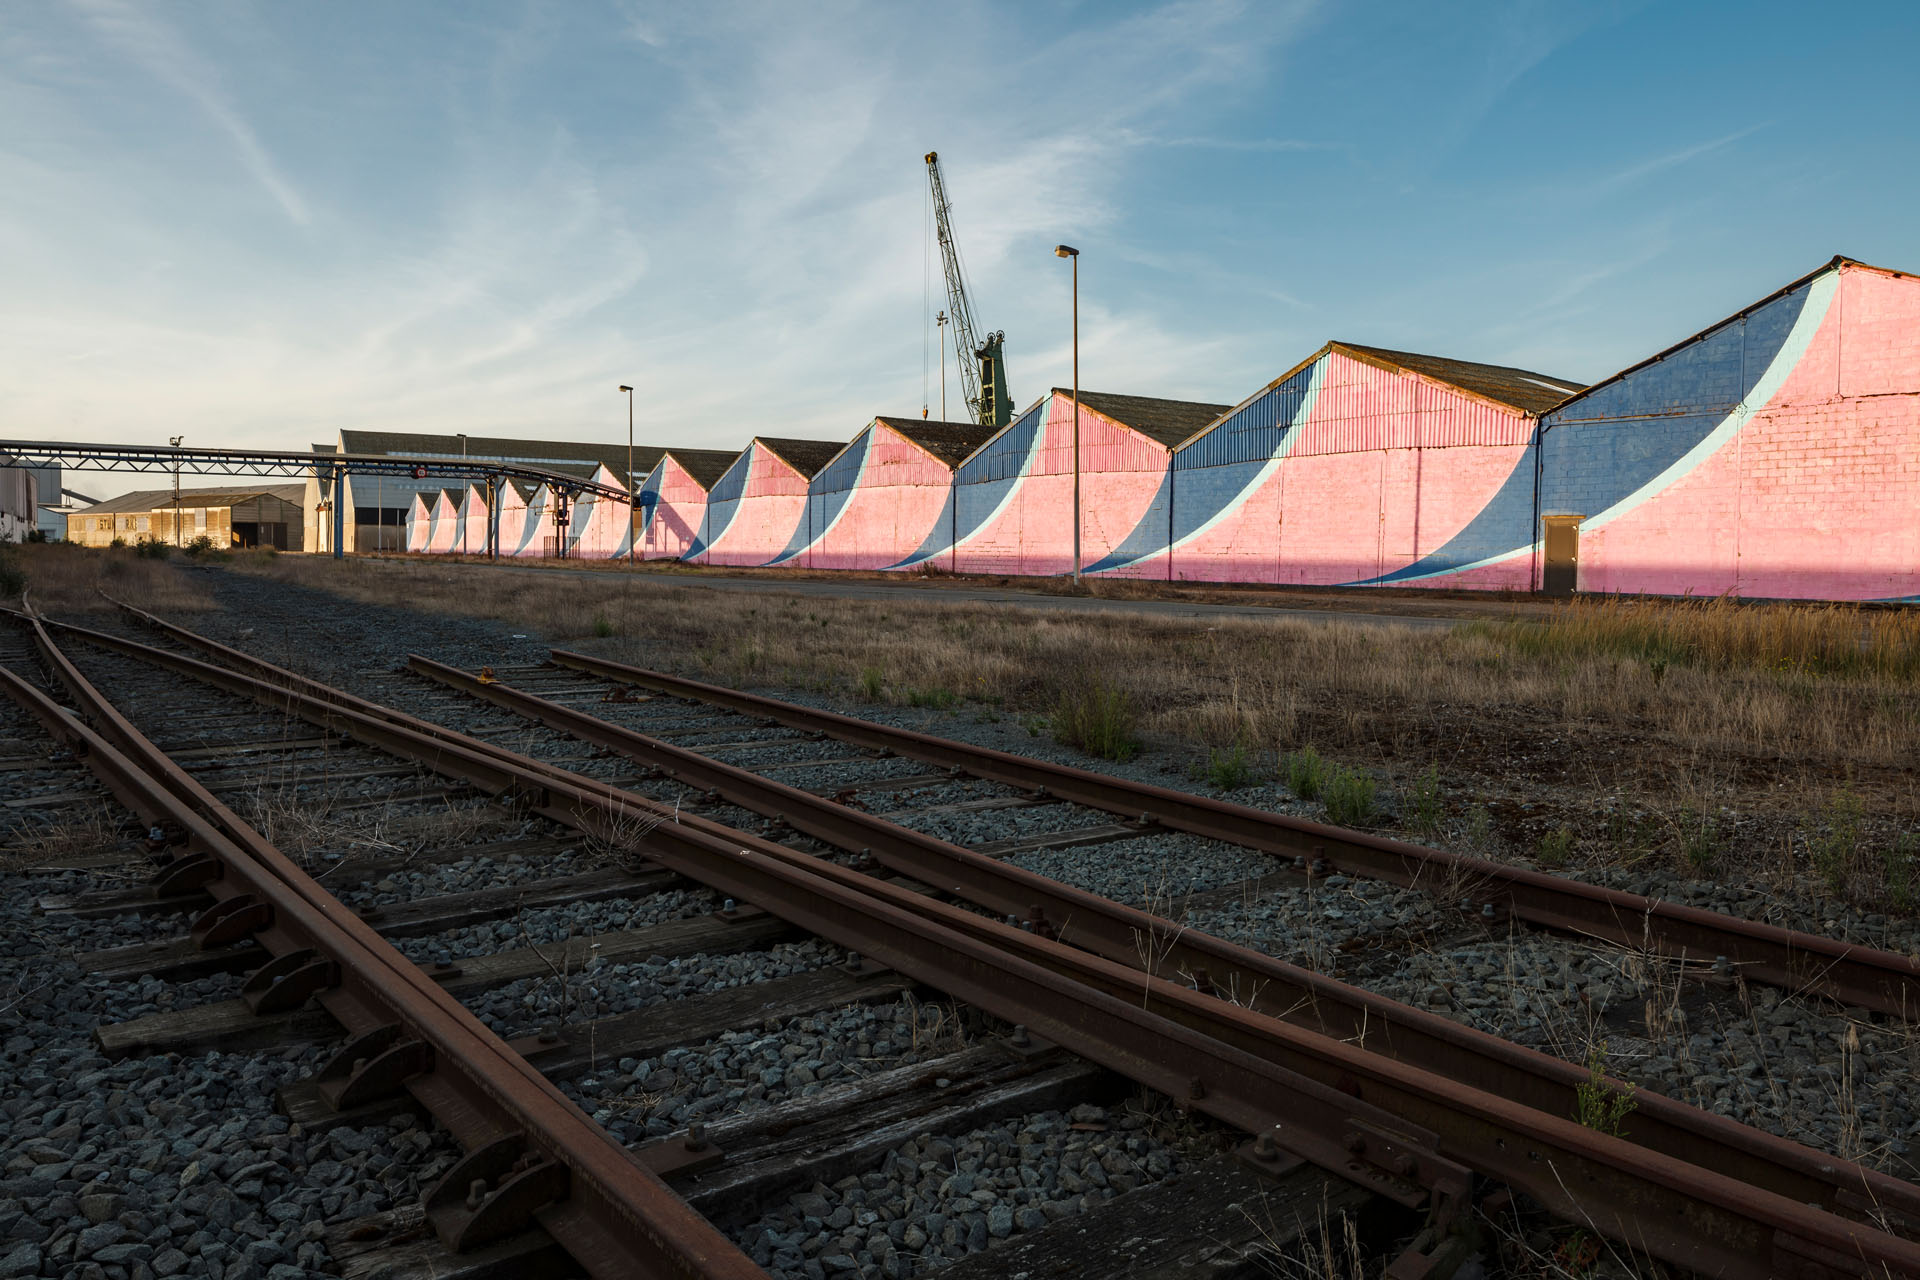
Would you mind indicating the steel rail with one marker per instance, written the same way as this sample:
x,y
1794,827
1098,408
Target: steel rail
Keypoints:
x,y
1247,977
1803,963
1244,1067
540,1155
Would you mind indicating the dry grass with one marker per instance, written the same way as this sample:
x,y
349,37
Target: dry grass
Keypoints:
x,y
65,578
1725,635
1758,710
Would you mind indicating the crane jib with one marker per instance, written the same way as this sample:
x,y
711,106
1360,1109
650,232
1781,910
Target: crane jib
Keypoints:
x,y
983,369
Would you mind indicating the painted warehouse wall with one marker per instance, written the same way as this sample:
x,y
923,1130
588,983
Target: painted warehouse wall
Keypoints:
x,y
673,500
755,510
882,495
1012,500
1775,454
1345,469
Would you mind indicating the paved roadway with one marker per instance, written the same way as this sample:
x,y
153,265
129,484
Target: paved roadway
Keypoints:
x,y
868,589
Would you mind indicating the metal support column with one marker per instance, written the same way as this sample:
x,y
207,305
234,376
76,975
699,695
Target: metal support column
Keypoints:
x,y
339,512
493,517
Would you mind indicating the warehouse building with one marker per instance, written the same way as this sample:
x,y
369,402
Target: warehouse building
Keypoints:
x,y
233,516
379,507
886,490
753,509
18,505
673,500
1775,454
1012,499
1350,466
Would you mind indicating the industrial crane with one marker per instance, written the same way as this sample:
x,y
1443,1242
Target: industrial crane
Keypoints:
x,y
985,381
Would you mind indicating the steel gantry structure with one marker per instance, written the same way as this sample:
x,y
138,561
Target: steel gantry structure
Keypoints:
x,y
329,468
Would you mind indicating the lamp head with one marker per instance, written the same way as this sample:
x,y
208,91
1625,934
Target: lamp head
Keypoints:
x,y
625,387
1065,251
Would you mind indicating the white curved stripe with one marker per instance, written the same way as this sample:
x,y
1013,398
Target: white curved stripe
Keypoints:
x,y
853,492
1266,473
531,522
1502,558
1812,314
1026,466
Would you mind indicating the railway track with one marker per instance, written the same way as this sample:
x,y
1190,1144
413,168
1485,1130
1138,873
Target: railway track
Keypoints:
x,y
964,1090
1408,1104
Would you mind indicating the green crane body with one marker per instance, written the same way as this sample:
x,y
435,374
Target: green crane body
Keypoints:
x,y
984,377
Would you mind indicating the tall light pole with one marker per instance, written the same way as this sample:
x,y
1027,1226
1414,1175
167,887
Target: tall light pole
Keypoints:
x,y
175,442
940,322
466,492
633,490
1065,251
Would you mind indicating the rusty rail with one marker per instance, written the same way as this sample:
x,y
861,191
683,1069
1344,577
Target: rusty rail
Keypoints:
x,y
1247,977
535,1155
1803,963
1403,1131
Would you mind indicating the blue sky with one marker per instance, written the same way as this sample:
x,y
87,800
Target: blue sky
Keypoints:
x,y
259,223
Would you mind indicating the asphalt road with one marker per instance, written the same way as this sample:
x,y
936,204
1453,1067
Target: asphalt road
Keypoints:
x,y
867,589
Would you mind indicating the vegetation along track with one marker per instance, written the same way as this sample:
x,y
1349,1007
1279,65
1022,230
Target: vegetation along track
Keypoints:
x,y
1612,1188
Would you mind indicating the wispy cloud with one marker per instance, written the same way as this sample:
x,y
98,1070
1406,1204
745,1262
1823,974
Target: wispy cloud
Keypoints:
x,y
1134,138
138,34
1669,160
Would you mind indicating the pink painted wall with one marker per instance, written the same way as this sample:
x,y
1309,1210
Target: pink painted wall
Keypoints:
x,y
901,494
471,524
1384,467
675,522
419,530
598,530
1120,472
1817,494
443,523
1388,467
770,507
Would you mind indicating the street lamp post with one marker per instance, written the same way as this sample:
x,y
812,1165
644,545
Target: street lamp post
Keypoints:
x,y
175,442
633,490
466,492
1065,251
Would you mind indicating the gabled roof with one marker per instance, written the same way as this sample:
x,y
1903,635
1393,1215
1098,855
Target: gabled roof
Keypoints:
x,y
1521,389
706,466
1171,422
144,500
1836,263
804,456
950,442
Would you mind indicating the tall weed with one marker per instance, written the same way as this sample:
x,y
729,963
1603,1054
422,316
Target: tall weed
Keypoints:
x,y
1097,718
1350,798
1306,773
